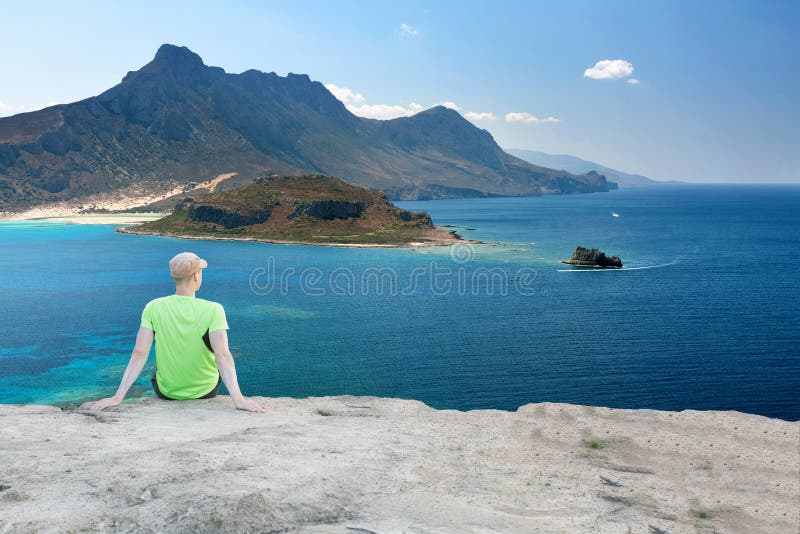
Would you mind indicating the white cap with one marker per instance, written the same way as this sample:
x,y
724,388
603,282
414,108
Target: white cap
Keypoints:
x,y
186,264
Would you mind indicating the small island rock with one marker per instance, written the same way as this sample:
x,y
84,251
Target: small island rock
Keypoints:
x,y
585,257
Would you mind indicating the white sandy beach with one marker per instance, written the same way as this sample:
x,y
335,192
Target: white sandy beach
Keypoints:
x,y
97,218
118,202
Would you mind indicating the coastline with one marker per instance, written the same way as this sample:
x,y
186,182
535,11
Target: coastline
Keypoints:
x,y
131,220
114,204
446,238
374,464
88,218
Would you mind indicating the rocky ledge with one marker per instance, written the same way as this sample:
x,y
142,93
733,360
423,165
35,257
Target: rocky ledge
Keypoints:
x,y
368,464
584,257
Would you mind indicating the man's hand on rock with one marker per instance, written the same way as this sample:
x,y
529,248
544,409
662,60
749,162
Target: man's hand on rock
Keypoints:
x,y
249,405
104,403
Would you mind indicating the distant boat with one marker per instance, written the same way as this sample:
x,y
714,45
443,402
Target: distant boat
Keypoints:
x,y
614,214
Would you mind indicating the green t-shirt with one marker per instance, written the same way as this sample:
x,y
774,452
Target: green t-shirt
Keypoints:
x,y
185,368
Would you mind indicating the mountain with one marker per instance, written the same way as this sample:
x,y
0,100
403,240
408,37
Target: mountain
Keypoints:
x,y
580,166
312,209
178,121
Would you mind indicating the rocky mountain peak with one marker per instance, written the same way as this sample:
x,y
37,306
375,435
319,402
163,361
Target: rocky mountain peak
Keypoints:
x,y
177,56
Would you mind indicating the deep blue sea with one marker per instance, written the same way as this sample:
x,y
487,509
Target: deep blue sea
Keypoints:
x,y
705,316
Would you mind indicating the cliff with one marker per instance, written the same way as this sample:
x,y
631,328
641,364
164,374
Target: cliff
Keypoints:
x,y
368,464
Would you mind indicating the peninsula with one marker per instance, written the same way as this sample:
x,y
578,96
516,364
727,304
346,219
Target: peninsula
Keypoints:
x,y
311,209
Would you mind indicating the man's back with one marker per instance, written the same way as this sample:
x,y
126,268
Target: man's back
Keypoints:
x,y
185,368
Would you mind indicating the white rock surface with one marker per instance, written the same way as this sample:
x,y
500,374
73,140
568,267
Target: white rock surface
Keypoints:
x,y
367,464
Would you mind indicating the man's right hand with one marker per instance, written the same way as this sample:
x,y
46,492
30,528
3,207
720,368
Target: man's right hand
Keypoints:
x,y
249,405
102,404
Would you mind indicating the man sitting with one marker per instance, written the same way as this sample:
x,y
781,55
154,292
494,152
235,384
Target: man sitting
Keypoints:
x,y
192,354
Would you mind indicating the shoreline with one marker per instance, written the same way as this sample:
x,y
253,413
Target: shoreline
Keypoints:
x,y
130,220
115,203
89,218
455,239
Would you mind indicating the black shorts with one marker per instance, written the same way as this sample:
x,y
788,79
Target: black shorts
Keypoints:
x,y
209,395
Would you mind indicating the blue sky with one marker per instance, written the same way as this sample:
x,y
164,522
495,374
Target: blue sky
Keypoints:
x,y
717,98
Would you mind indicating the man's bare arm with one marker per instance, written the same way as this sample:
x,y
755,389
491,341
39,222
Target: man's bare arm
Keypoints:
x,y
227,369
144,340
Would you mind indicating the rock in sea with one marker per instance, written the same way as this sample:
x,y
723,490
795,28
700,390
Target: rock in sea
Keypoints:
x,y
585,257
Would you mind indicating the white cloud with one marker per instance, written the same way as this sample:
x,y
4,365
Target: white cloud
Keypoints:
x,y
483,116
609,69
634,81
385,111
357,105
527,118
344,94
408,31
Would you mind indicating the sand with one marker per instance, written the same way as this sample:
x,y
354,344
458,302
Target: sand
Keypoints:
x,y
368,464
117,201
101,218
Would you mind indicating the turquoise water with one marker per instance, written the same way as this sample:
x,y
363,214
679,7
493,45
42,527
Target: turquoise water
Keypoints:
x,y
705,315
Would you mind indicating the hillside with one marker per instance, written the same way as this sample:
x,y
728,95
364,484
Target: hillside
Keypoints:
x,y
313,209
577,165
177,121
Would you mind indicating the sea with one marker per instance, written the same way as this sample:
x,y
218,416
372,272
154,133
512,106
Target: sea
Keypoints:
x,y
705,314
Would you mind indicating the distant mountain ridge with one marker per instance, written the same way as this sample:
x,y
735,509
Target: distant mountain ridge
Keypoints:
x,y
577,165
177,121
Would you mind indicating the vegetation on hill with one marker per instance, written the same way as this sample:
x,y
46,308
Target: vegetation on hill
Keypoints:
x,y
315,208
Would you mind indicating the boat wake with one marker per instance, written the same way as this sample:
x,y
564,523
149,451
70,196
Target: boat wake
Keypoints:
x,y
592,270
